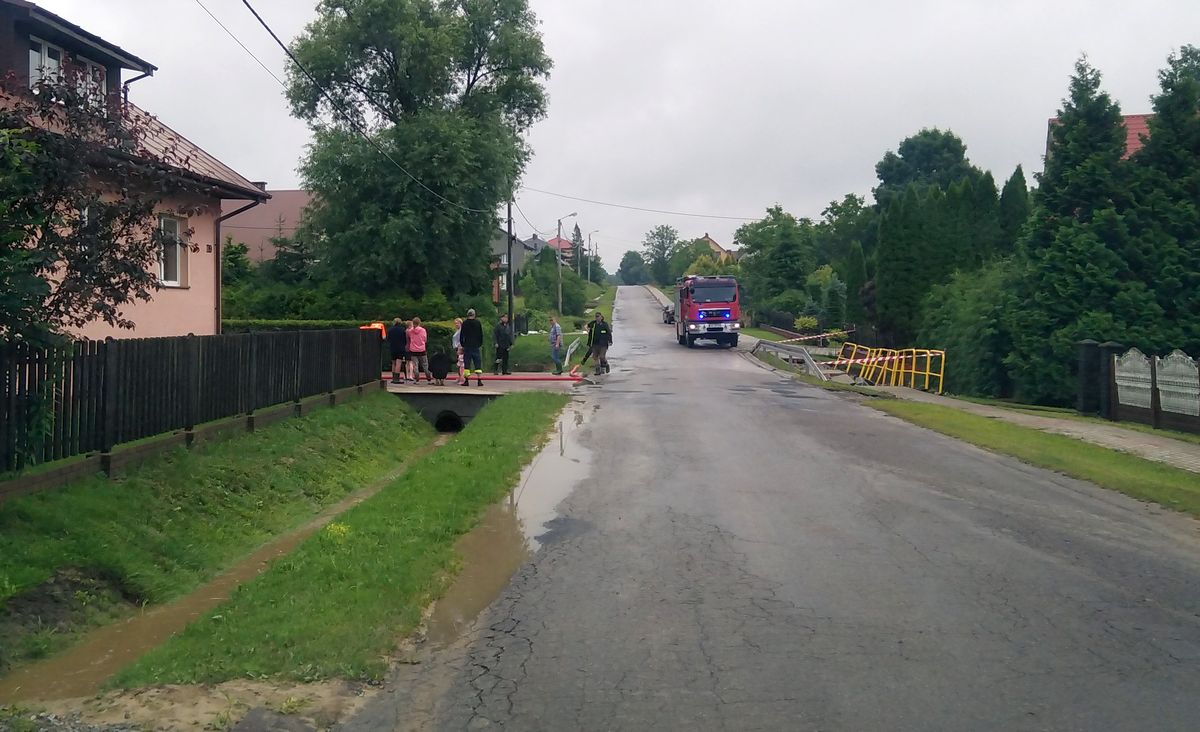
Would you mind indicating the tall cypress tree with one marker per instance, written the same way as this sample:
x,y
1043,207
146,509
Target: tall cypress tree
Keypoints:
x,y
1015,206
901,261
1166,214
856,277
1075,281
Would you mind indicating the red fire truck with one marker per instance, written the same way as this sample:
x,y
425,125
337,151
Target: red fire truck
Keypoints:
x,y
707,308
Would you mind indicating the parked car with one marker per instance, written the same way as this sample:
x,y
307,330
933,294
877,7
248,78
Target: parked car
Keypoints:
x,y
668,313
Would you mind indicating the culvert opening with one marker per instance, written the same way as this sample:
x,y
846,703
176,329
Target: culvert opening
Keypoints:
x,y
448,421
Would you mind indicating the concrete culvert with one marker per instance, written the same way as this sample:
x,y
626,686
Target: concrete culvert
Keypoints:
x,y
448,421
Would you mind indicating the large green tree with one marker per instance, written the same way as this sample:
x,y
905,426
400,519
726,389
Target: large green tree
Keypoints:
x,y
1074,276
687,252
417,110
633,269
1165,216
778,254
930,157
657,247
855,274
900,276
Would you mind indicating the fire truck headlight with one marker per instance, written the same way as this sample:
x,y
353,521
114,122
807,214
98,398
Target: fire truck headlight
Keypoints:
x,y
692,326
737,325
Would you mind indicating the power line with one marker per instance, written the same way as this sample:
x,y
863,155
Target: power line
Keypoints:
x,y
536,230
639,208
238,41
348,117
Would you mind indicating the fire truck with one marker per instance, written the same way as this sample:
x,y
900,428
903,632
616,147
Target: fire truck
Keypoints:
x,y
707,308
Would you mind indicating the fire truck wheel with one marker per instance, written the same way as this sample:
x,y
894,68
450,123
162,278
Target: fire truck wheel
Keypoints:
x,y
691,342
733,341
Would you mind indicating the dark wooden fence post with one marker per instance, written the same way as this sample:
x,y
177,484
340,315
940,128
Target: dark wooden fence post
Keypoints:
x,y
1109,350
1088,397
251,377
358,360
332,365
191,386
109,368
298,370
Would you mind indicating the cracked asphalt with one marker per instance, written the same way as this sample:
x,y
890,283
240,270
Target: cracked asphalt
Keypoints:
x,y
749,552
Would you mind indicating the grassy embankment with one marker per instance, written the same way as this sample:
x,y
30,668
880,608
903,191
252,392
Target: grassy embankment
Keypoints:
x,y
1129,474
337,605
762,335
91,552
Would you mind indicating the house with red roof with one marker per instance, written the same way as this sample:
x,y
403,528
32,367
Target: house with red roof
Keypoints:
x,y
1137,130
565,248
35,42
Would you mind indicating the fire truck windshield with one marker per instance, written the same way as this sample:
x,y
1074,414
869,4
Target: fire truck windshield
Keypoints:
x,y
715,293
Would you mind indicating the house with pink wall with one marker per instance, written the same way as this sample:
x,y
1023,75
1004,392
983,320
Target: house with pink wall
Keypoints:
x,y
261,225
33,42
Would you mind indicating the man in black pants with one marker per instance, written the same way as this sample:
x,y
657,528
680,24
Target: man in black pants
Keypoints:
x,y
600,338
502,339
471,338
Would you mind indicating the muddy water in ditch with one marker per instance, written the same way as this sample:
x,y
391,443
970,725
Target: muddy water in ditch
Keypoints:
x,y
508,534
82,670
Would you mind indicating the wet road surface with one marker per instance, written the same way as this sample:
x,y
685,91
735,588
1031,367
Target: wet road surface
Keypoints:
x,y
747,552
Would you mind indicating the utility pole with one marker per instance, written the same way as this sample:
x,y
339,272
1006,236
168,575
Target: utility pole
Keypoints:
x,y
589,255
508,277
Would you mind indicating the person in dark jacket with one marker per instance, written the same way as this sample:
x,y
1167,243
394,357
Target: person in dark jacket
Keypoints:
x,y
600,337
472,345
397,338
502,339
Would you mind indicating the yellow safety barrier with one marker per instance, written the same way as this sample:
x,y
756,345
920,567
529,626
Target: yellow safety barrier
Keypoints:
x,y
916,368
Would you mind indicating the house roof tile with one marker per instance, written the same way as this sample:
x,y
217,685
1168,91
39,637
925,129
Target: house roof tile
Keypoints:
x,y
165,144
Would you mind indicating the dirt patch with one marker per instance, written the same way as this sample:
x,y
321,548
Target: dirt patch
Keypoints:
x,y
46,618
219,707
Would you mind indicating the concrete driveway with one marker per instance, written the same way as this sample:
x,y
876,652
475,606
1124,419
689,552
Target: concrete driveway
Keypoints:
x,y
748,552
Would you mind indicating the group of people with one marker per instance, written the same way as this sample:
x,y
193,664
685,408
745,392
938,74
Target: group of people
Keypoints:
x,y
408,343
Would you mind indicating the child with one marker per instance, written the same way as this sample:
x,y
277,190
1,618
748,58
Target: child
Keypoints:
x,y
456,346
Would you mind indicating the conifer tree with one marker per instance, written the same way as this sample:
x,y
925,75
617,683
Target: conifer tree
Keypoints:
x,y
1015,206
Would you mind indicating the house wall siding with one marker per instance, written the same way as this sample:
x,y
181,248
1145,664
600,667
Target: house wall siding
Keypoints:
x,y
174,311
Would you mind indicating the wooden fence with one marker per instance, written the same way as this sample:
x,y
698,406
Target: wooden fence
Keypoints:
x,y
90,396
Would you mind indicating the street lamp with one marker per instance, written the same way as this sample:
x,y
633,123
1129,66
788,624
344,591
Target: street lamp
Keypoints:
x,y
589,255
558,250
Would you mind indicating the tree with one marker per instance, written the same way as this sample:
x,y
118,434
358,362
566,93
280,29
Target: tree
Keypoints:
x,y
842,223
1074,279
704,265
1015,206
540,286
930,157
577,253
419,137
80,237
900,281
235,264
779,252
1165,218
684,254
657,247
633,270
855,273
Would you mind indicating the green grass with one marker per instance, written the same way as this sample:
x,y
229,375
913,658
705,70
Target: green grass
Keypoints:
x,y
178,519
762,335
1134,476
338,604
1069,413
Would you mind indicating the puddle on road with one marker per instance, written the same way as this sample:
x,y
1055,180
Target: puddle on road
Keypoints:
x,y
83,669
508,534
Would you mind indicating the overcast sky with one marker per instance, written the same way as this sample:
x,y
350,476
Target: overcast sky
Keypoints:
x,y
701,106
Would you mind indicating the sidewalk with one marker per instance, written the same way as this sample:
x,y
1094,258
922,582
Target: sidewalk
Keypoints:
x,y
1160,448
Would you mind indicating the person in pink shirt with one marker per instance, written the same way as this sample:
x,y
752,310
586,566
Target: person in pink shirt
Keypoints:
x,y
416,351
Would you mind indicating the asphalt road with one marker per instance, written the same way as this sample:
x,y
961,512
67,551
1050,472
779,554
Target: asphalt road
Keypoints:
x,y
752,553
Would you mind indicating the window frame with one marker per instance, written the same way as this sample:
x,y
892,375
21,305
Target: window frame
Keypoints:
x,y
45,46
180,249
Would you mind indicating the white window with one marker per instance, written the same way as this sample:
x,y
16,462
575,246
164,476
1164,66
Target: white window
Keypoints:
x,y
172,258
91,80
45,60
